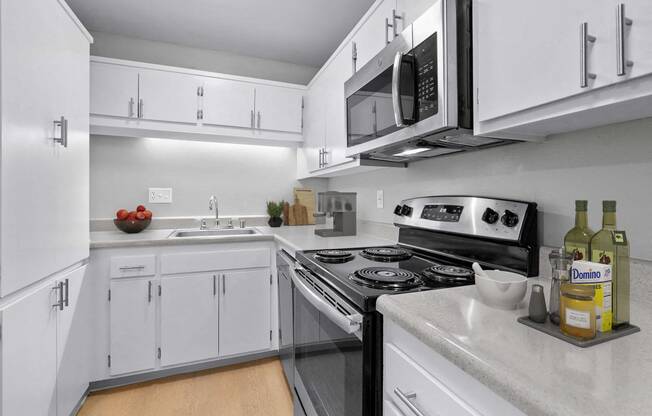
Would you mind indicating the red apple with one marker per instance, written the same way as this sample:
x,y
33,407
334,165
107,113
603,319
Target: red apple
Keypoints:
x,y
122,214
140,216
140,208
148,214
132,216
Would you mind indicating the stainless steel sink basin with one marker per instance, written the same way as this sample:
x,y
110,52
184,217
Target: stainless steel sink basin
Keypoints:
x,y
213,233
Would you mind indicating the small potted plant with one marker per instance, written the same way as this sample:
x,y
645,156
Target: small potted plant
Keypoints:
x,y
275,210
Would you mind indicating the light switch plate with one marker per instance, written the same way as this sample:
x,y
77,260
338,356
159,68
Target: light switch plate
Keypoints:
x,y
380,199
160,195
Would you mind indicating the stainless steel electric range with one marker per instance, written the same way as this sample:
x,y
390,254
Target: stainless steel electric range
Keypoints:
x,y
337,331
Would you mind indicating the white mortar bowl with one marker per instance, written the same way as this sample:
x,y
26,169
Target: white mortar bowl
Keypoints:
x,y
502,290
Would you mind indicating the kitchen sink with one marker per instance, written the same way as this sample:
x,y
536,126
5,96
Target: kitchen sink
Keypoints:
x,y
213,233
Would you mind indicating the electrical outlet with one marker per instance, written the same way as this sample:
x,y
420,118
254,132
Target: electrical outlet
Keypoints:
x,y
380,199
160,195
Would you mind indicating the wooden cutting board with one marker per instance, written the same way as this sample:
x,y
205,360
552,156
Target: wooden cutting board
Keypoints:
x,y
306,198
298,214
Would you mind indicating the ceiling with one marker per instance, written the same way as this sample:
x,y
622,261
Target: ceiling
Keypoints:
x,y
303,32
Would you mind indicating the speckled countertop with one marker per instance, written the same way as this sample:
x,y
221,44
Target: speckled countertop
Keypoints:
x,y
290,238
539,374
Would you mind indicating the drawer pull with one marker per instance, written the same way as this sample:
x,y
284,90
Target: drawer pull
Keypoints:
x,y
127,268
405,398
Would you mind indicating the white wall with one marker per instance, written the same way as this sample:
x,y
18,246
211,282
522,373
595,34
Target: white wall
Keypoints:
x,y
121,47
242,177
613,162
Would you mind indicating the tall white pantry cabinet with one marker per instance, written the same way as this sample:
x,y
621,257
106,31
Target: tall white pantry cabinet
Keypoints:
x,y
44,212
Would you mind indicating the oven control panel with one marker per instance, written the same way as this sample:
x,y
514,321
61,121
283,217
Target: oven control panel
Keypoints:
x,y
477,216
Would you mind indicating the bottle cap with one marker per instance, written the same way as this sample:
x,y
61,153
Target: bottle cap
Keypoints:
x,y
608,206
581,205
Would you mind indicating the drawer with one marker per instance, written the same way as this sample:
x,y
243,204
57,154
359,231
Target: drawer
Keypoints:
x,y
215,260
408,384
133,266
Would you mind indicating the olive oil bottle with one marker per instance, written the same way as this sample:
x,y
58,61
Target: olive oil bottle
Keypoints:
x,y
610,246
577,239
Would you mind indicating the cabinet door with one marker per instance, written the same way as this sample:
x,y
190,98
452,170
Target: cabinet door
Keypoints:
x,y
370,39
228,103
188,318
74,344
536,58
42,80
114,90
29,355
168,96
244,312
638,37
336,75
132,326
314,126
278,108
410,10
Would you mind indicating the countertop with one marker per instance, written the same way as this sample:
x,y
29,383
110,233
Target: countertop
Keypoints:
x,y
539,374
290,238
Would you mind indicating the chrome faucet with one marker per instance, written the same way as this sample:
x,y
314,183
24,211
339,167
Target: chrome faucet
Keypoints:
x,y
212,205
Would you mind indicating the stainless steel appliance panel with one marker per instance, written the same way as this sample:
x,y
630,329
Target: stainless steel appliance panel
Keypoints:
x,y
286,315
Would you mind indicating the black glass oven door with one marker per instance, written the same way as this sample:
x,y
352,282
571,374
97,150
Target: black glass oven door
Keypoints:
x,y
328,361
371,109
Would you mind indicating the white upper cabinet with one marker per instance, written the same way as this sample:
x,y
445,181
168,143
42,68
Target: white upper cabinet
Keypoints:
x,y
374,34
278,108
560,66
533,60
168,96
139,99
188,318
45,79
228,103
114,90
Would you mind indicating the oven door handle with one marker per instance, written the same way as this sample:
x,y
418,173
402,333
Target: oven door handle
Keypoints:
x,y
347,323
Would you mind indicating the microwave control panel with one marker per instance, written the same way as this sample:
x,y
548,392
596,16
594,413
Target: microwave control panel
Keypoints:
x,y
425,56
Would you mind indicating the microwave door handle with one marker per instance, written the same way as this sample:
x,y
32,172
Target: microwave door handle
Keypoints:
x,y
348,323
396,90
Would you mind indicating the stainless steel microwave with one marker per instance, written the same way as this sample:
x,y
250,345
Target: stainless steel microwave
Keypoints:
x,y
415,98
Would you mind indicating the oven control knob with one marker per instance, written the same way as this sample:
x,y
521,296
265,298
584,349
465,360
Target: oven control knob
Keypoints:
x,y
509,219
406,210
490,216
398,210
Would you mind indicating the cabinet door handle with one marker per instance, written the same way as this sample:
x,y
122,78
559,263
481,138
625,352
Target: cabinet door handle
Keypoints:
x,y
354,56
214,285
320,158
141,106
621,22
149,291
224,284
62,124
127,268
66,292
59,289
325,153
405,398
258,122
387,26
251,121
585,38
395,17
131,107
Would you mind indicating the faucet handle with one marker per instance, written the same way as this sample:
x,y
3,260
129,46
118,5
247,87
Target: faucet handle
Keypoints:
x,y
202,225
230,224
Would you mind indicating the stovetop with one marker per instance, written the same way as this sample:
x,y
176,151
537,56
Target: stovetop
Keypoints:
x,y
338,268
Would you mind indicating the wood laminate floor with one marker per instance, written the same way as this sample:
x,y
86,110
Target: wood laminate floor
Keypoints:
x,y
251,389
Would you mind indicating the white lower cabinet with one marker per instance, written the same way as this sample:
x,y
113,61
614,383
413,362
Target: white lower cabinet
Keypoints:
x,y
172,306
418,380
245,311
188,318
43,350
132,326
